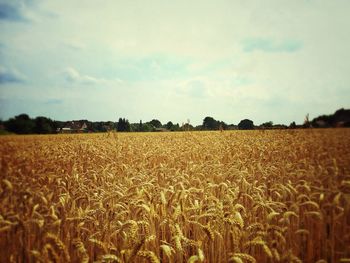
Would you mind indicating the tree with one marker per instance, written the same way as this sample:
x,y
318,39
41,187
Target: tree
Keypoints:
x,y
123,125
292,125
223,125
140,126
176,127
210,123
268,124
169,126
98,126
20,124
155,123
44,125
246,125
187,127
340,118
147,127
110,126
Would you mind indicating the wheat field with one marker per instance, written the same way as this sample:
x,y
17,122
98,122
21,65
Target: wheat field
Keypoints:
x,y
232,196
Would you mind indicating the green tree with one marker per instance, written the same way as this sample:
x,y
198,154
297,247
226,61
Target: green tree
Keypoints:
x,y
246,125
44,125
98,126
169,126
268,124
175,127
210,123
223,125
292,125
140,126
155,123
187,127
20,124
123,125
147,127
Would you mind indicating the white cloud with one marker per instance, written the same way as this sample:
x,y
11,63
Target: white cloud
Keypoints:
x,y
73,76
11,75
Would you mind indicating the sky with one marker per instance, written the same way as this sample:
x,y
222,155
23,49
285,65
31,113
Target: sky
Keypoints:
x,y
271,60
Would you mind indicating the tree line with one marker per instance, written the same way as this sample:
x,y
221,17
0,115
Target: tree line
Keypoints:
x,y
23,124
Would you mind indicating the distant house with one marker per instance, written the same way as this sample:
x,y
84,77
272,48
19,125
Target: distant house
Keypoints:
x,y
74,127
320,124
161,130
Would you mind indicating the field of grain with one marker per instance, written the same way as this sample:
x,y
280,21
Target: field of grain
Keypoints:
x,y
240,196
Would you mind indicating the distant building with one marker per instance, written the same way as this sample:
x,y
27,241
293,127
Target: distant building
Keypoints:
x,y
161,130
74,127
320,124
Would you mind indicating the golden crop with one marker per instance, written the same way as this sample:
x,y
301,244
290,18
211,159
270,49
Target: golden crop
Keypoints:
x,y
240,196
